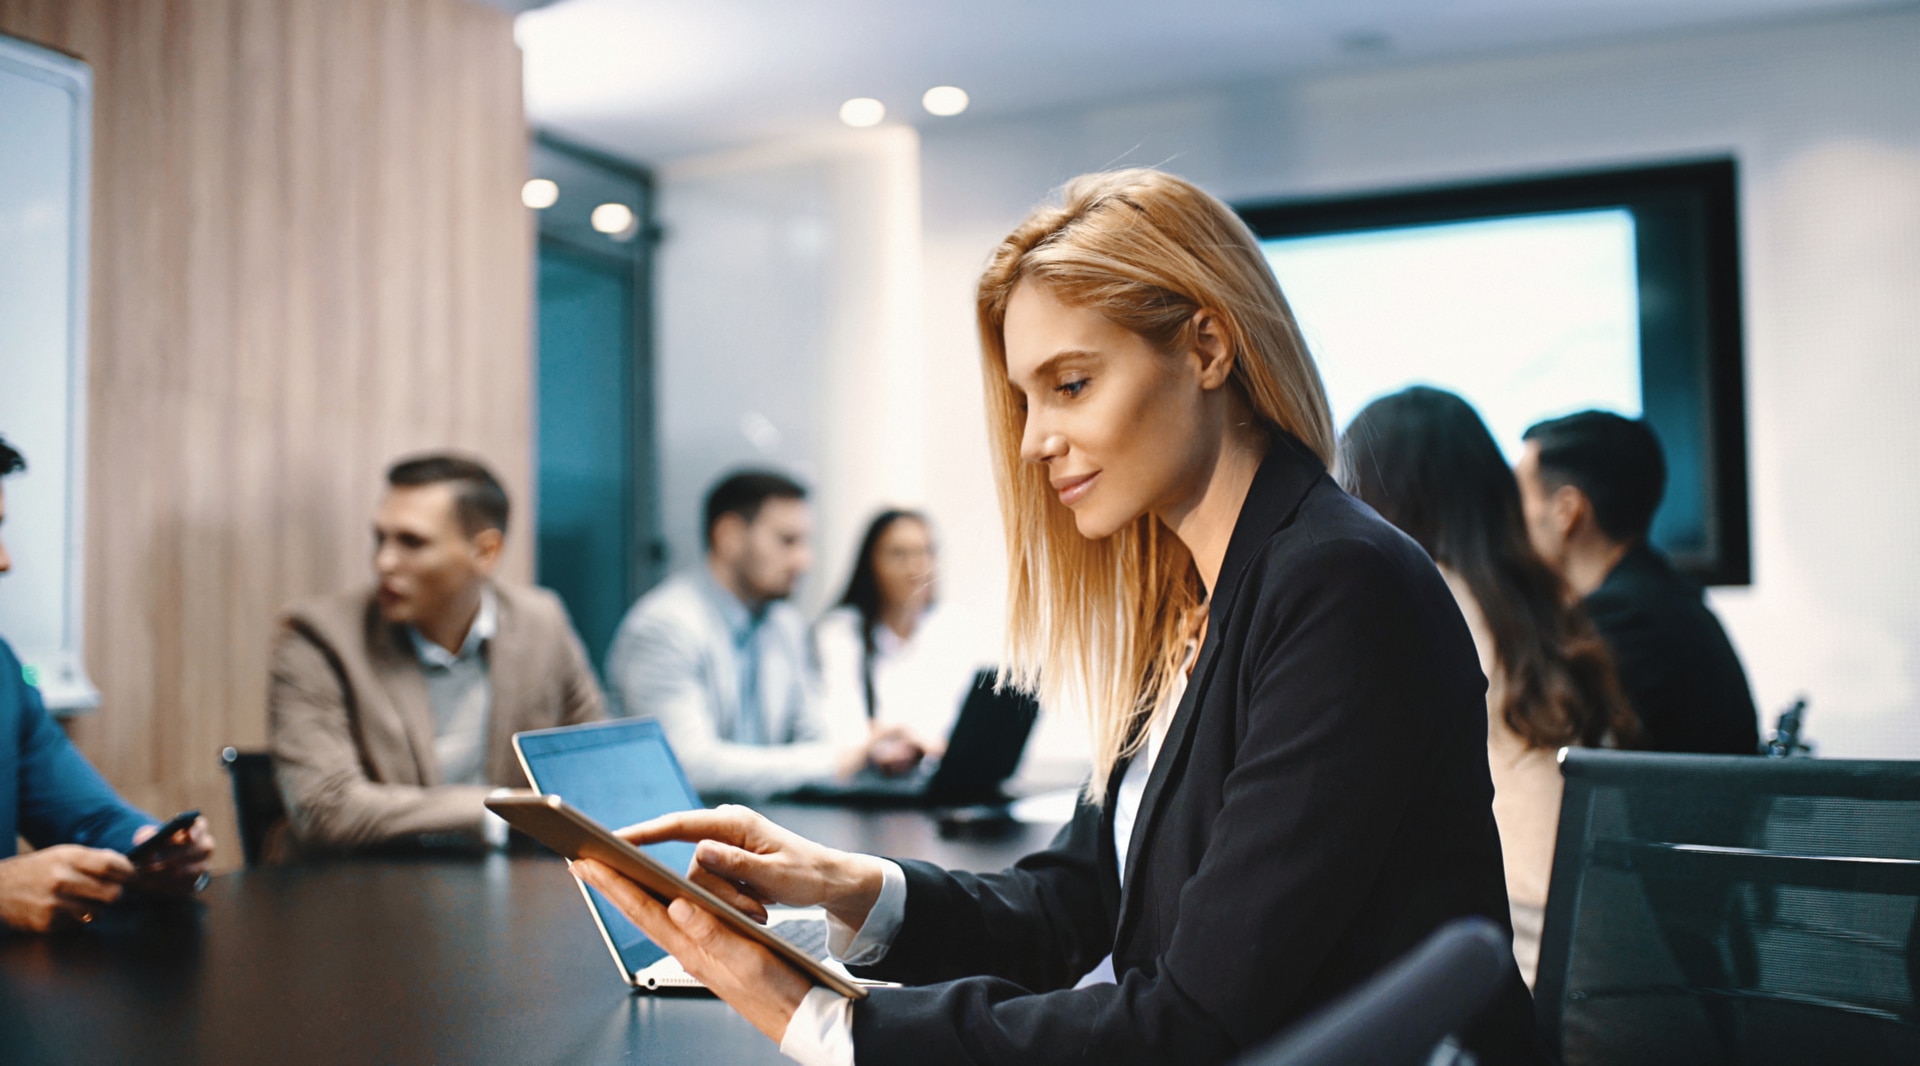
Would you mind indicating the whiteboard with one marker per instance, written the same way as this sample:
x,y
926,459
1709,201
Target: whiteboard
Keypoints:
x,y
46,139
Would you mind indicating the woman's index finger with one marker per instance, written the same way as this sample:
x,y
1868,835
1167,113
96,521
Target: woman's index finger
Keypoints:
x,y
691,826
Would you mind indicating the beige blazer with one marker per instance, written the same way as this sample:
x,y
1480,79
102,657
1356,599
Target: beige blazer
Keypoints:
x,y
351,728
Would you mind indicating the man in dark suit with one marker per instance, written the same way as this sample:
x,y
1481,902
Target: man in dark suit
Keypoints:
x,y
1590,483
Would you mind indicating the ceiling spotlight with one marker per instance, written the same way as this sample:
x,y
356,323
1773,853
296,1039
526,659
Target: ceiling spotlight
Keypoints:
x,y
862,111
539,194
944,100
614,220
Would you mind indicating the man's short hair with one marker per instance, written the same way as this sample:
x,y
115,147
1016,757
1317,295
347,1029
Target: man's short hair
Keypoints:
x,y
744,491
1615,461
478,498
11,461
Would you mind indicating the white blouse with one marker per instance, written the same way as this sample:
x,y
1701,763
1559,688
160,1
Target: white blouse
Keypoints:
x,y
918,682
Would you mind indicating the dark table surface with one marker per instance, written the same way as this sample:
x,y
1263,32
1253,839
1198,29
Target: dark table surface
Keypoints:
x,y
405,960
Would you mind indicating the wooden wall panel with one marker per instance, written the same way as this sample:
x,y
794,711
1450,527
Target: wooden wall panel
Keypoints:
x,y
309,256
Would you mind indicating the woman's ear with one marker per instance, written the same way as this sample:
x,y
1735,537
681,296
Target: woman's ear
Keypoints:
x,y
1211,351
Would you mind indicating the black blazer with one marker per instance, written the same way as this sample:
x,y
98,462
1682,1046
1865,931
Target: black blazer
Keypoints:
x,y
1320,804
1675,663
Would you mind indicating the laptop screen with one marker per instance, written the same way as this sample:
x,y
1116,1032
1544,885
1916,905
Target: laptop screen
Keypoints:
x,y
617,773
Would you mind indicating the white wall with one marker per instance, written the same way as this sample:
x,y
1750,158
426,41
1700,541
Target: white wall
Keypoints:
x,y
789,332
1824,119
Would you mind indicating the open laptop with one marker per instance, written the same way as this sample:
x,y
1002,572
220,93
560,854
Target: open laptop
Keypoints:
x,y
983,751
619,773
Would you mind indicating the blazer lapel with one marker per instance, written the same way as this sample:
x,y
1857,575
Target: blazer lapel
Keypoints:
x,y
398,670
1279,486
1172,754
514,697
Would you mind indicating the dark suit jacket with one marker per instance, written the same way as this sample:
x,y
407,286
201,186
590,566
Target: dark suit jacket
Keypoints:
x,y
1320,804
1679,671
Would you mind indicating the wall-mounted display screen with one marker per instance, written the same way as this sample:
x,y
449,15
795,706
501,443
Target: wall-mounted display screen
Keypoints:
x,y
1538,298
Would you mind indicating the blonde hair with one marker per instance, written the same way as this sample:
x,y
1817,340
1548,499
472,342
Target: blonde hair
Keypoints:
x,y
1102,624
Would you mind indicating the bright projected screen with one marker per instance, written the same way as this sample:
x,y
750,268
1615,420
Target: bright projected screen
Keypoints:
x,y
1526,317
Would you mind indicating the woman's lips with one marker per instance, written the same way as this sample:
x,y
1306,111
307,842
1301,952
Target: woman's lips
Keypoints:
x,y
1073,489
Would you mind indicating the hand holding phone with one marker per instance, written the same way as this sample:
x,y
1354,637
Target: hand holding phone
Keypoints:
x,y
149,849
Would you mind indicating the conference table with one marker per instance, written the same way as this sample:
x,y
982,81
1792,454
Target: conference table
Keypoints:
x,y
409,959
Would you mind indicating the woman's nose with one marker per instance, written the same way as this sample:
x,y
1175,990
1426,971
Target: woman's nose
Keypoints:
x,y
1039,443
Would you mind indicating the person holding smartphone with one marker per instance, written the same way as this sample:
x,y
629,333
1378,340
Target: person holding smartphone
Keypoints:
x,y
1290,784
80,828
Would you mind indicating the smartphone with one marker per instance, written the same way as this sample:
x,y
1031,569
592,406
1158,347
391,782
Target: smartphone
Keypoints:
x,y
145,850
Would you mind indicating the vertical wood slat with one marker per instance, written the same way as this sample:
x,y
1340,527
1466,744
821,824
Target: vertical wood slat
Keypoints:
x,y
308,257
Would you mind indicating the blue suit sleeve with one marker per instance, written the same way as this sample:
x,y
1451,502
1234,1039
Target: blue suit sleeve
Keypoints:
x,y
62,798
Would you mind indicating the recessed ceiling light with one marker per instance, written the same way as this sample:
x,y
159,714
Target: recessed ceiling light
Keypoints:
x,y
862,111
614,220
944,100
539,194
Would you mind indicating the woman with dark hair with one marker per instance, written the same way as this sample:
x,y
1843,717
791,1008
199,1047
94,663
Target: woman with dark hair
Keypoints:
x,y
884,665
1425,461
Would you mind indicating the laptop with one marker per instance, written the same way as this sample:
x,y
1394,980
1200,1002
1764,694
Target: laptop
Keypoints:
x,y
983,751
619,773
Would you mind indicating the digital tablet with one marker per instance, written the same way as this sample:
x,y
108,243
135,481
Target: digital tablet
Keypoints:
x,y
549,820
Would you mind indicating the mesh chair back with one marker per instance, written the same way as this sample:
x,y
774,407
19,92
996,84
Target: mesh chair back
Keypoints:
x,y
1720,909
1400,1015
256,799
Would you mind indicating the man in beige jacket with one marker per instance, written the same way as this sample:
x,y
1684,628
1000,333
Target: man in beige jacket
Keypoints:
x,y
391,709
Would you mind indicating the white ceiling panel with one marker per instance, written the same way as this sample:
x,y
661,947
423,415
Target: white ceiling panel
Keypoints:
x,y
654,80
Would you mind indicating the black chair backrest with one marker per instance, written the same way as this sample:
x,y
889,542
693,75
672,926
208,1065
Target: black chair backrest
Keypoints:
x,y
1722,909
1402,1013
256,799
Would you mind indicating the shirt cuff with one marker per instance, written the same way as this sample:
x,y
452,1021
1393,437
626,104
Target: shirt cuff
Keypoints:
x,y
869,943
820,1033
493,828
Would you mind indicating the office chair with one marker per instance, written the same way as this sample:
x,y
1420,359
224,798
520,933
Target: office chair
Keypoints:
x,y
1401,1015
256,799
1728,909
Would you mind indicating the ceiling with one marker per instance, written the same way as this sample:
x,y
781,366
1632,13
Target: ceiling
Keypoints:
x,y
656,80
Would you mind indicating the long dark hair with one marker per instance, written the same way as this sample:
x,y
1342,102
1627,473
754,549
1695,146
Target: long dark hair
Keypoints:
x,y
1424,460
863,592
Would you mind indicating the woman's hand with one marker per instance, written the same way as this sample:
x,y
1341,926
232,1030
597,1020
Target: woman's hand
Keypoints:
x,y
750,862
894,750
761,986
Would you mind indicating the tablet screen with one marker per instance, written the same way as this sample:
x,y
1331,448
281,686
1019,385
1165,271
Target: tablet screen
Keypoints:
x,y
616,773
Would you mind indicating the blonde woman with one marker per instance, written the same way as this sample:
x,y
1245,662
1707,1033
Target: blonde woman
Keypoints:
x,y
1290,785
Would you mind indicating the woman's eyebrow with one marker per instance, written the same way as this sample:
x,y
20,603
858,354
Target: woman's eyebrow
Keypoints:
x,y
1059,359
